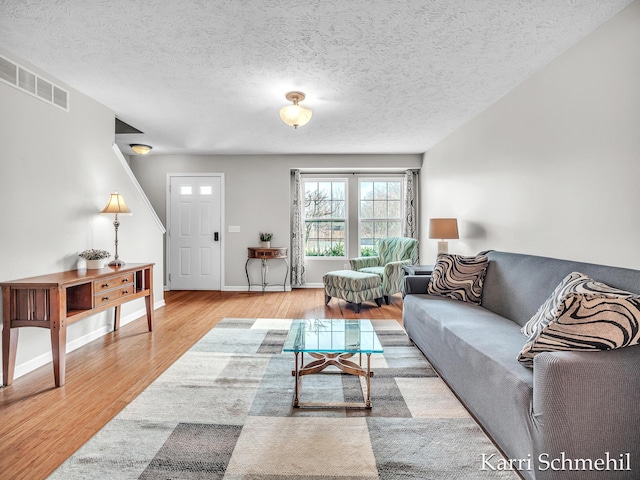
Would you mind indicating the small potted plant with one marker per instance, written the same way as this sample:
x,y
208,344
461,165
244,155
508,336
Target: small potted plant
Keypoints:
x,y
265,239
95,258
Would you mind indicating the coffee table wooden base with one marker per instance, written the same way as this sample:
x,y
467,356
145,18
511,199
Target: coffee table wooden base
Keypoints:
x,y
342,362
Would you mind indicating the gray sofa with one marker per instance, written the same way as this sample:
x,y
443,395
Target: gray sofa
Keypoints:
x,y
580,406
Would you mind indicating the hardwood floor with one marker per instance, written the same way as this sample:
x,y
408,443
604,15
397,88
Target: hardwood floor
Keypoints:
x,y
41,426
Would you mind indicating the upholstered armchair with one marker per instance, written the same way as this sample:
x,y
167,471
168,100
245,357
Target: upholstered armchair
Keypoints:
x,y
393,254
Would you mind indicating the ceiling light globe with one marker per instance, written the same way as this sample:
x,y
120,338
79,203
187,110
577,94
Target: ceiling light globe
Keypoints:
x,y
295,115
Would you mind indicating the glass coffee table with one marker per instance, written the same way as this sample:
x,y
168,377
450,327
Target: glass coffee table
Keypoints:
x,y
332,343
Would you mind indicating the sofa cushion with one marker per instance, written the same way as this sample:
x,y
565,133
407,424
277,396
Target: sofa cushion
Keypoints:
x,y
459,277
474,350
587,321
575,282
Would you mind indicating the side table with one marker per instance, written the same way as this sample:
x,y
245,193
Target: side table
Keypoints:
x,y
418,269
265,254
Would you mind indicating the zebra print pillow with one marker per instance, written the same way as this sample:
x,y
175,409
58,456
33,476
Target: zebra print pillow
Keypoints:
x,y
458,277
575,282
588,322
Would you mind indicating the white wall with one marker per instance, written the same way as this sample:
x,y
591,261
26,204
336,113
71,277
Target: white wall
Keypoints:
x,y
57,170
553,168
257,198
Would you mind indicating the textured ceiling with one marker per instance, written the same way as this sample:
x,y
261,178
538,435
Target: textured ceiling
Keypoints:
x,y
208,76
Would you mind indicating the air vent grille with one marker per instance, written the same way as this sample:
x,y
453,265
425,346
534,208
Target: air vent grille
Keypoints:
x,y
28,82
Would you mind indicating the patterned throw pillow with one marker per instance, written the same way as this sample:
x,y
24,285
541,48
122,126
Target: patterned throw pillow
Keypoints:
x,y
458,277
575,282
587,322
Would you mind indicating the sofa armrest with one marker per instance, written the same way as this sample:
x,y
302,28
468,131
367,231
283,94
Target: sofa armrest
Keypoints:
x,y
363,262
586,404
416,284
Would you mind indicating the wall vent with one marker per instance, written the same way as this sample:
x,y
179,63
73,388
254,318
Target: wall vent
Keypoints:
x,y
28,82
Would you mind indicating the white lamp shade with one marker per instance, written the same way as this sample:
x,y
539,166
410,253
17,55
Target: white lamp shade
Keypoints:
x,y
295,115
116,205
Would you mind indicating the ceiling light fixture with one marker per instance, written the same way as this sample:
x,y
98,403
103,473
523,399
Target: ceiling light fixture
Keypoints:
x,y
140,149
295,115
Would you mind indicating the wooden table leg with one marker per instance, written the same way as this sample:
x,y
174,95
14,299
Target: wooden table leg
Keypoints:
x,y
148,300
9,347
116,318
58,328
59,352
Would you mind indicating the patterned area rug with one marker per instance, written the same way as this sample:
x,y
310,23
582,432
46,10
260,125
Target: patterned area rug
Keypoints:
x,y
223,410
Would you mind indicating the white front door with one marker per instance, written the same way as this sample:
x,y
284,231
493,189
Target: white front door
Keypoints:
x,y
195,231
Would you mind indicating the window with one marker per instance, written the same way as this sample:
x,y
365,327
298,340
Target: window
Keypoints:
x,y
380,212
369,205
325,217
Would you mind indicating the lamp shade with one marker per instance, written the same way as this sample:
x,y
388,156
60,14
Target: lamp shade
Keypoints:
x,y
443,228
116,205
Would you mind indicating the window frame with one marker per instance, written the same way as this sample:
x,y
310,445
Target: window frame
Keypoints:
x,y
386,179
331,179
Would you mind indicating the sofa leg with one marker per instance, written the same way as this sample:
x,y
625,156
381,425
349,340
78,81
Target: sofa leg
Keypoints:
x,y
379,301
356,307
386,299
327,299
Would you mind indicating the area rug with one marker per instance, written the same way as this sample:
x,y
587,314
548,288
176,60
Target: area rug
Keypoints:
x,y
223,411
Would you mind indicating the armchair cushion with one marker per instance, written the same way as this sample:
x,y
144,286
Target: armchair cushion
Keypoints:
x,y
377,270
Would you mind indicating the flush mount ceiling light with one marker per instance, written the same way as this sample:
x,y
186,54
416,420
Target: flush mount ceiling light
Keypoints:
x,y
295,115
140,149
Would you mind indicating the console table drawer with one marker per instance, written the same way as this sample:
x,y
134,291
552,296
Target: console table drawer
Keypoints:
x,y
270,252
112,282
112,295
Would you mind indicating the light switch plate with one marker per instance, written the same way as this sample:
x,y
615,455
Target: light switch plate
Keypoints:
x,y
234,228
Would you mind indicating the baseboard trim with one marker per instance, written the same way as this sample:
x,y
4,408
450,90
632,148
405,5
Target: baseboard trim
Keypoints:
x,y
310,285
45,358
255,288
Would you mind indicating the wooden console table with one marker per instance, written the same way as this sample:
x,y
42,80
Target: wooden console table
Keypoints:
x,y
60,299
264,254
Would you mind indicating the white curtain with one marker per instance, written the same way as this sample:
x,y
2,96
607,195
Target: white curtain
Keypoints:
x,y
410,224
298,274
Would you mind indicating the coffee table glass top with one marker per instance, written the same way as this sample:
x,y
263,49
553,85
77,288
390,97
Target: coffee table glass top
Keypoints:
x,y
332,336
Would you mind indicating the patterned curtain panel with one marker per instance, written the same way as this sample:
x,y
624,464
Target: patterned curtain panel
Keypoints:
x,y
298,275
410,224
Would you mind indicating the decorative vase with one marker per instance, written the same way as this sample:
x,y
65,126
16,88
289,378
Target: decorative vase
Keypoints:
x,y
93,264
265,244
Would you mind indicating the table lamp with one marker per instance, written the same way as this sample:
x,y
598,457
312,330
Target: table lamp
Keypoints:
x,y
443,229
116,205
